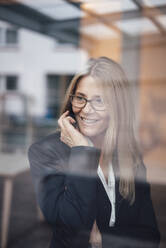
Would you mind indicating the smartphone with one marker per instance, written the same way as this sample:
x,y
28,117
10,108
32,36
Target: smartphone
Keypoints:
x,y
74,124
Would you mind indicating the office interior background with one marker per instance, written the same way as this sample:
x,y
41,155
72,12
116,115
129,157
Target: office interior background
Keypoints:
x,y
43,44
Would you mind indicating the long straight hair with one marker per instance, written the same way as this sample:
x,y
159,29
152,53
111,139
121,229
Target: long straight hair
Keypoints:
x,y
120,145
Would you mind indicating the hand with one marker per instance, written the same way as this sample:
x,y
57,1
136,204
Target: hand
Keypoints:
x,y
69,134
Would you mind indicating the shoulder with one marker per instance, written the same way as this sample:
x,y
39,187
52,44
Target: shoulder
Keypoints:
x,y
47,142
50,145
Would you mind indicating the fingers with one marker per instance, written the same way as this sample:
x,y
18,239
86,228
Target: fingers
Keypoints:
x,y
60,123
65,121
67,124
70,119
66,140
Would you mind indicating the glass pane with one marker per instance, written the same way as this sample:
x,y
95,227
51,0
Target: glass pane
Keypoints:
x,y
53,96
53,82
0,35
11,83
11,36
56,87
68,80
0,83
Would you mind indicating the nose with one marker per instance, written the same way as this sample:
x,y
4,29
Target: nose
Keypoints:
x,y
88,108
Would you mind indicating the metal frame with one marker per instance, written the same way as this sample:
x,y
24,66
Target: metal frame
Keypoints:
x,y
68,30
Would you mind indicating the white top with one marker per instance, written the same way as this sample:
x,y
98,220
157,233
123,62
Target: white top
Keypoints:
x,y
109,188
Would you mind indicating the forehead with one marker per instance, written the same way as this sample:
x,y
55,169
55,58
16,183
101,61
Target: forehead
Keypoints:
x,y
89,87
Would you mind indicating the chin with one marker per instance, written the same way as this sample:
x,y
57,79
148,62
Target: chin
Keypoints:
x,y
88,133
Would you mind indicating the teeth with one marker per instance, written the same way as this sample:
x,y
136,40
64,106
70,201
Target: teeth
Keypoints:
x,y
88,120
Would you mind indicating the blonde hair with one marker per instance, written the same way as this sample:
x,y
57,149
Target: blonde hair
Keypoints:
x,y
120,146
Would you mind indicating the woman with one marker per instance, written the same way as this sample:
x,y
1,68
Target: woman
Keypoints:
x,y
89,177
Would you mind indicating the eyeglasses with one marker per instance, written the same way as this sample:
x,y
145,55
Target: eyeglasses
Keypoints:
x,y
80,102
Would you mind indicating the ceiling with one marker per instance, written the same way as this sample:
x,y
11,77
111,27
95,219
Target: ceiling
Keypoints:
x,y
66,20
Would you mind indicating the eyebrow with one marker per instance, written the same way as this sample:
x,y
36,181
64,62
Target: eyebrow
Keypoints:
x,y
82,94
79,93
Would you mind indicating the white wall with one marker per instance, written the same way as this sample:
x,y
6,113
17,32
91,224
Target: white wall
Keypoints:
x,y
35,57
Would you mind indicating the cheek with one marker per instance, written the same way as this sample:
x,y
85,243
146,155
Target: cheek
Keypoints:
x,y
105,120
75,110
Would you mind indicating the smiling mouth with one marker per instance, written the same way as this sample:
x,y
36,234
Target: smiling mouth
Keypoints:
x,y
87,120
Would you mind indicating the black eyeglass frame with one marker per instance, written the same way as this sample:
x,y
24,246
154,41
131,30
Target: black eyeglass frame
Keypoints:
x,y
86,100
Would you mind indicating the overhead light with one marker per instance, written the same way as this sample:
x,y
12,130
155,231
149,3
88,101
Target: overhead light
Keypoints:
x,y
63,12
137,26
98,31
57,9
40,3
162,20
154,3
106,6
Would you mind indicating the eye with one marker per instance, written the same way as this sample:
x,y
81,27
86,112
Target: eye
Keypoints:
x,y
79,98
98,100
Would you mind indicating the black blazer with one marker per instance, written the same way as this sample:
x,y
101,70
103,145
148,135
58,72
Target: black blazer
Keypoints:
x,y
71,196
